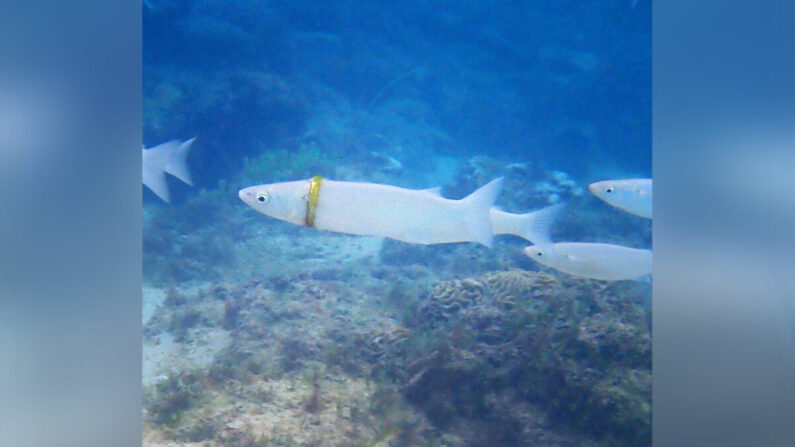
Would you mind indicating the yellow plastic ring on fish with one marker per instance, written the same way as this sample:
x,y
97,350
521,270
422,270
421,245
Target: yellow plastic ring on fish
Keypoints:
x,y
311,200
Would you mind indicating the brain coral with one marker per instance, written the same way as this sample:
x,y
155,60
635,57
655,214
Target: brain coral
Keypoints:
x,y
499,289
508,287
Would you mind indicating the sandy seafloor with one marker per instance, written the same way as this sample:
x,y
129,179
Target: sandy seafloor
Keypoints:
x,y
262,333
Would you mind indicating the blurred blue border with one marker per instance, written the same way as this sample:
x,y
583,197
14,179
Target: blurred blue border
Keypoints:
x,y
70,237
724,168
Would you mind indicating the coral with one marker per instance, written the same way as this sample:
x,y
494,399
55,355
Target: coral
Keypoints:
x,y
501,289
505,356
377,343
624,341
509,287
449,297
574,349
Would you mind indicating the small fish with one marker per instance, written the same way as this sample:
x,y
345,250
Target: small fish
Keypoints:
x,y
632,195
369,209
593,260
165,158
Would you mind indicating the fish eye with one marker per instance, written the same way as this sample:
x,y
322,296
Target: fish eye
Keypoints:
x,y
609,190
540,253
263,197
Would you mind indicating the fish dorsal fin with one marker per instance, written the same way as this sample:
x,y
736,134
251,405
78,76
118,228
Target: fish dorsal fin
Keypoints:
x,y
436,191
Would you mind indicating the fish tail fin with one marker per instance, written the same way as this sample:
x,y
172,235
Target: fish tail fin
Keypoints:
x,y
478,205
536,226
154,164
177,164
156,182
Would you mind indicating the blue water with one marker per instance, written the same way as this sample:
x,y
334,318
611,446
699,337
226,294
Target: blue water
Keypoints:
x,y
413,93
564,82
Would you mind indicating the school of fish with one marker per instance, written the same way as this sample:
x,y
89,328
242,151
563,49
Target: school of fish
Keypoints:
x,y
423,216
604,261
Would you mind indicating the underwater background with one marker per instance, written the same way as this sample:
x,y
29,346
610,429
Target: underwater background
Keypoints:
x,y
261,333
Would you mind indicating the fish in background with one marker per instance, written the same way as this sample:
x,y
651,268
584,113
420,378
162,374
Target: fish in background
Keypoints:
x,y
594,260
369,209
169,157
631,195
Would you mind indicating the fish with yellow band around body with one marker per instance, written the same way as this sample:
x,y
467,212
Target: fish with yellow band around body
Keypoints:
x,y
420,216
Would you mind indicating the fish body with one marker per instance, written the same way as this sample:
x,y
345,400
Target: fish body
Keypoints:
x,y
631,195
169,157
594,260
369,209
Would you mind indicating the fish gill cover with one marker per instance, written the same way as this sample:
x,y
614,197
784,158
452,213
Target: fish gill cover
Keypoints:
x,y
258,332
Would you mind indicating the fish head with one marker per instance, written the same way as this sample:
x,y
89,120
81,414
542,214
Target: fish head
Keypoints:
x,y
545,255
284,201
604,189
619,193
631,195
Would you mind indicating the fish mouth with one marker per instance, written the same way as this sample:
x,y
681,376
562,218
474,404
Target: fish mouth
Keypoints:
x,y
245,194
592,188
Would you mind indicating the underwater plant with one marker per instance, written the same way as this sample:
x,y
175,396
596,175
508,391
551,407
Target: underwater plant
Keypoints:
x,y
307,160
